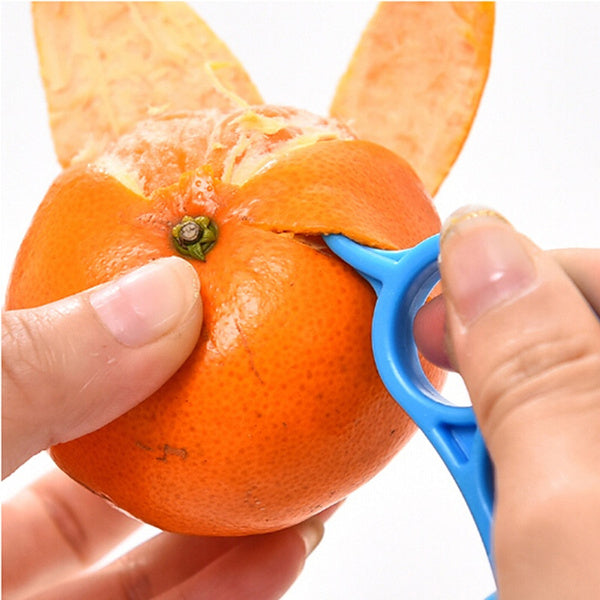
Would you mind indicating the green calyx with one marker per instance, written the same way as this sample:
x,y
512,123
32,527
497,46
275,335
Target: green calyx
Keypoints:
x,y
195,236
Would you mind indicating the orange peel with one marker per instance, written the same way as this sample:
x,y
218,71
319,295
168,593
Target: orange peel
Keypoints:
x,y
416,79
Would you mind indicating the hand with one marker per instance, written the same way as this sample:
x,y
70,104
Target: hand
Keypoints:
x,y
71,367
521,326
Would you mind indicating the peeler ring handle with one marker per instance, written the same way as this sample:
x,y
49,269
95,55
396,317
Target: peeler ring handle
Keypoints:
x,y
403,280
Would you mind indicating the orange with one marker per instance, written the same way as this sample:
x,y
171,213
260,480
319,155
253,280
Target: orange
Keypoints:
x,y
279,412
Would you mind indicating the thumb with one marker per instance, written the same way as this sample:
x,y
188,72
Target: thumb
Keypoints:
x,y
72,366
527,344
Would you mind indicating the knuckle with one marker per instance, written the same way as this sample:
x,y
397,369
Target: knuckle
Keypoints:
x,y
133,577
565,364
35,365
547,515
64,517
25,357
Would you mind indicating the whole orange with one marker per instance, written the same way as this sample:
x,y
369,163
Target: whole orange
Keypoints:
x,y
279,412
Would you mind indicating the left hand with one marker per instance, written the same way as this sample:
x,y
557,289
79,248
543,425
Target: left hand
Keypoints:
x,y
71,367
55,530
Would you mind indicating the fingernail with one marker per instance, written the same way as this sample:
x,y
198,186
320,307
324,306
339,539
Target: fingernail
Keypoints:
x,y
311,532
147,303
483,263
467,213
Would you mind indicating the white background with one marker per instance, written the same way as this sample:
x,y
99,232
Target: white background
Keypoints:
x,y
533,154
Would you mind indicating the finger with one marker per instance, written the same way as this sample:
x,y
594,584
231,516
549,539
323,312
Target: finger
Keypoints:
x,y
72,366
429,330
54,529
176,566
506,303
527,344
582,265
262,568
144,572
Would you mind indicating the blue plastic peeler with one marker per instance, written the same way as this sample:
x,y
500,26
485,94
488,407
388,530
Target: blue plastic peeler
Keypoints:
x,y
402,281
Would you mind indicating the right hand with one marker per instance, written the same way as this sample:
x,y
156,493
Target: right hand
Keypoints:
x,y
521,326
